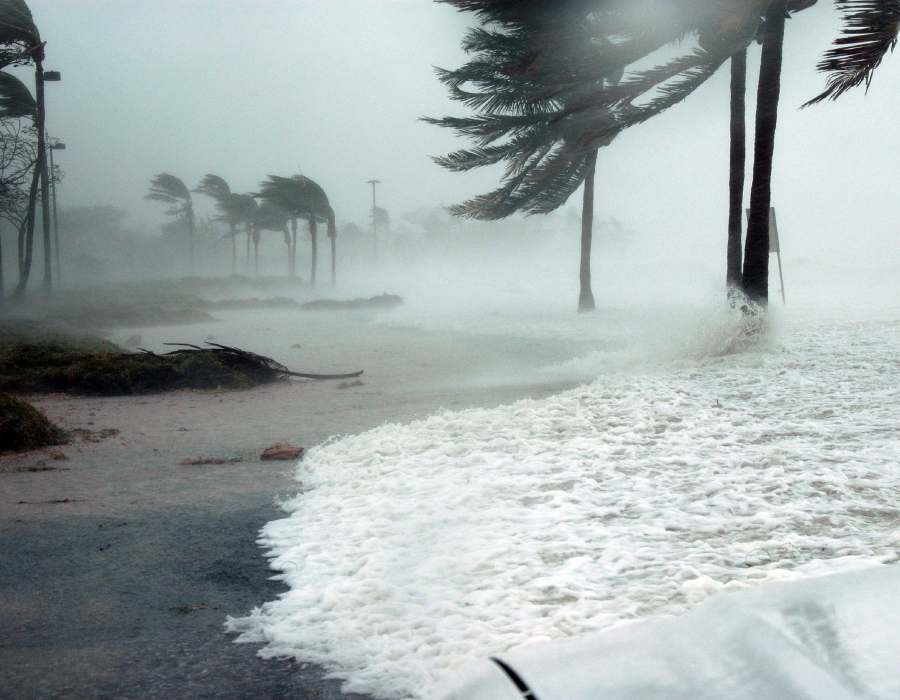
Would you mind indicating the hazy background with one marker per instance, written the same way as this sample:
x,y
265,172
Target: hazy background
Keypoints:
x,y
334,88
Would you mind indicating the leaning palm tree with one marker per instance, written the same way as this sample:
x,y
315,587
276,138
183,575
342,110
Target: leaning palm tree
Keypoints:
x,y
755,274
303,198
245,209
546,79
171,190
217,188
271,217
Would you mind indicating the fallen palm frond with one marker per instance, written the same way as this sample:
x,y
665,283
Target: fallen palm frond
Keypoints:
x,y
250,362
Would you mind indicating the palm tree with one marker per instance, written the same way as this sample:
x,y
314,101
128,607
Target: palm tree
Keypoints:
x,y
18,158
245,209
217,188
171,190
303,198
546,79
869,32
755,275
737,169
271,217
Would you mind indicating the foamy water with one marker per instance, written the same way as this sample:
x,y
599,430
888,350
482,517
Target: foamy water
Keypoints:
x,y
693,464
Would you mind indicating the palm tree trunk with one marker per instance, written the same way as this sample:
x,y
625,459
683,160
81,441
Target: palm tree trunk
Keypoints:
x,y
314,244
256,252
26,234
2,287
586,296
738,165
756,253
233,228
39,124
293,253
247,231
332,235
190,223
333,260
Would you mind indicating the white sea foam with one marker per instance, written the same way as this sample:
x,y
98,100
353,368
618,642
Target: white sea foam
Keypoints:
x,y
414,549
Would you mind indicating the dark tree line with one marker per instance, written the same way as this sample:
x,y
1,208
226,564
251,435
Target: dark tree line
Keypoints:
x,y
283,202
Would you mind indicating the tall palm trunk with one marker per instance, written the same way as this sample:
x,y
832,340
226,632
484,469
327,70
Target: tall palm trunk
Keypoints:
x,y
233,228
332,235
255,252
314,243
191,227
39,124
287,243
293,253
586,296
247,231
738,166
756,253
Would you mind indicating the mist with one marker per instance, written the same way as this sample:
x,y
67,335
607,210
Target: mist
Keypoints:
x,y
264,436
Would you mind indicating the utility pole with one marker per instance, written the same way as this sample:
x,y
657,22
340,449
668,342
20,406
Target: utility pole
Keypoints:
x,y
55,145
374,217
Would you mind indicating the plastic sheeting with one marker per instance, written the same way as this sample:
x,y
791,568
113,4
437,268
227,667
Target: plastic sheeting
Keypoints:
x,y
827,638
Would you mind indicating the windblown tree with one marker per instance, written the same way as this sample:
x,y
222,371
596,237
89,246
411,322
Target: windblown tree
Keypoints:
x,y
245,208
20,44
303,198
18,158
217,189
755,274
271,217
546,79
17,104
172,191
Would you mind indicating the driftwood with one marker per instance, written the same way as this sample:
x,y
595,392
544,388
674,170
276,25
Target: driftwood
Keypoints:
x,y
248,361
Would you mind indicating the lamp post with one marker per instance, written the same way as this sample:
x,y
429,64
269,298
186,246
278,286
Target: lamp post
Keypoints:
x,y
374,218
42,76
55,145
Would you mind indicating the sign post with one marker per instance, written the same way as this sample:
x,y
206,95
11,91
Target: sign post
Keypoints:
x,y
775,246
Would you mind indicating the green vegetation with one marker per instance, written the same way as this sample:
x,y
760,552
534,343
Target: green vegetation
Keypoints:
x,y
37,360
23,427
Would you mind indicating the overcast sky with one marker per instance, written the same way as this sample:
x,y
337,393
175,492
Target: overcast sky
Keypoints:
x,y
334,88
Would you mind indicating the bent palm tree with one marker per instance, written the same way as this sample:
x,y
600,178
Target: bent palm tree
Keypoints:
x,y
271,217
217,188
171,190
303,198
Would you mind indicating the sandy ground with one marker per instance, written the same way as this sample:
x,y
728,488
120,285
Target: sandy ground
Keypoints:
x,y
118,565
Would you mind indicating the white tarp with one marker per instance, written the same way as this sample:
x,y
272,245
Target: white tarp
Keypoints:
x,y
826,638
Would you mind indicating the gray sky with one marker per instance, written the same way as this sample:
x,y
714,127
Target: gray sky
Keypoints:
x,y
244,88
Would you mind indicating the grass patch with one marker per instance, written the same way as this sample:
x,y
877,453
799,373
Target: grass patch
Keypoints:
x,y
23,427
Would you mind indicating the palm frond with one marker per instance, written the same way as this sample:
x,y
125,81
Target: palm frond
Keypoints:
x,y
16,100
869,33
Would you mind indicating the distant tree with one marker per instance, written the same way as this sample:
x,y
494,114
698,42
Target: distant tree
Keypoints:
x,y
302,198
18,157
16,104
217,188
172,191
271,217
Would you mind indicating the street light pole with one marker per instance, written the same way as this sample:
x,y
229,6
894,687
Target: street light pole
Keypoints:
x,y
374,217
55,145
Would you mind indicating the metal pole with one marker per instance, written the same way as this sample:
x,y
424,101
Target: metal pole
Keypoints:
x,y
374,217
774,221
55,218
